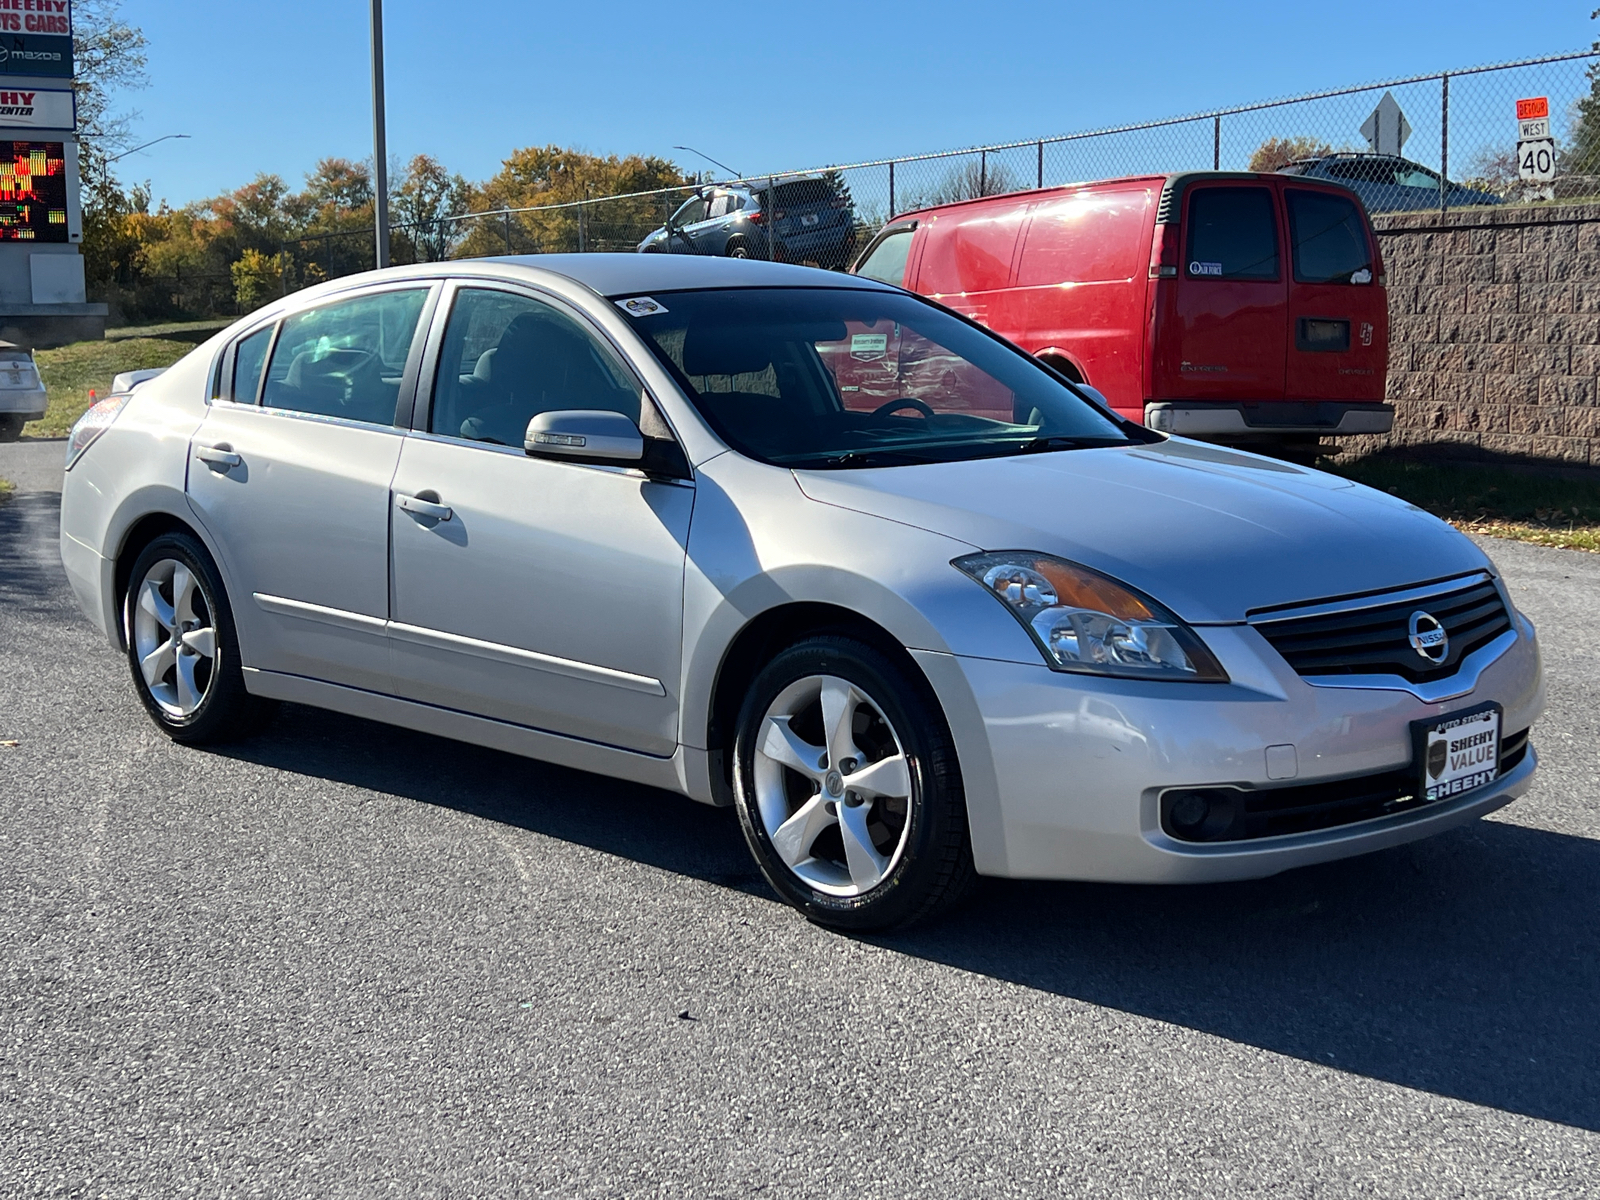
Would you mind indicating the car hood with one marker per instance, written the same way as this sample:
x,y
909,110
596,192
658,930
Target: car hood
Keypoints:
x,y
1211,533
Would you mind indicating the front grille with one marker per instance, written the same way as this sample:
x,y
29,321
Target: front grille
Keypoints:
x,y
1240,814
1372,635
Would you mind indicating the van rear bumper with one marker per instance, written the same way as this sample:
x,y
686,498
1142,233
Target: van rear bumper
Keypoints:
x,y
1275,418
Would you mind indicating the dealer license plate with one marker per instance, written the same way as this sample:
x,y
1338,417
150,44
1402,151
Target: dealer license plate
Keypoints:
x,y
1458,753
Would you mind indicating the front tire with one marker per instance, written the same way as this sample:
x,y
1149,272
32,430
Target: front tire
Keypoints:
x,y
848,788
182,647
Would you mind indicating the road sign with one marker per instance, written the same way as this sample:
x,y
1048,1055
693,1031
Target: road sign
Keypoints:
x,y
1536,160
1532,131
1387,129
1535,109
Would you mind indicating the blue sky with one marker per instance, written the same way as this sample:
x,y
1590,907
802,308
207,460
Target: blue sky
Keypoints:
x,y
761,86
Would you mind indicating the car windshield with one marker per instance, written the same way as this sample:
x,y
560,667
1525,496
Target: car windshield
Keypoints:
x,y
835,377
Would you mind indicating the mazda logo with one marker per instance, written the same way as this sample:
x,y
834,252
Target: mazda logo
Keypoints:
x,y
1428,637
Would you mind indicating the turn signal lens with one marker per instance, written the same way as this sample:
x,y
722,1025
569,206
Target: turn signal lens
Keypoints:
x,y
1084,621
92,424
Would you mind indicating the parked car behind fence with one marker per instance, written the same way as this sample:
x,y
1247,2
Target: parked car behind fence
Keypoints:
x,y
802,220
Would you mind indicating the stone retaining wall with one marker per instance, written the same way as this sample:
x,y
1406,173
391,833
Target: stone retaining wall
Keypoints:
x,y
1494,333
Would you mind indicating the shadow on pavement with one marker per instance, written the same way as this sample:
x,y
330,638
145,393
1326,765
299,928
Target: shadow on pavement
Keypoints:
x,y
1467,965
31,578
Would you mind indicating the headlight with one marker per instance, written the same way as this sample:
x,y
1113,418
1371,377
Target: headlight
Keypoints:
x,y
1088,622
91,425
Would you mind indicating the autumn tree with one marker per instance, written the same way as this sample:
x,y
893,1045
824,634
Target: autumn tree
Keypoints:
x,y
425,196
1276,153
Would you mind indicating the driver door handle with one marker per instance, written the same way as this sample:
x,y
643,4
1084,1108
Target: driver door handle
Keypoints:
x,y
221,455
418,507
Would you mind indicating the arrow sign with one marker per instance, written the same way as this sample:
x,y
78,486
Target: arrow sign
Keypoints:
x,y
1387,129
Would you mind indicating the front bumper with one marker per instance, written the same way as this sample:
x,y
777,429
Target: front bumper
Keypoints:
x,y
1064,773
1268,418
31,403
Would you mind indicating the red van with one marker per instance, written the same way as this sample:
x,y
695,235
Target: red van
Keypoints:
x,y
1241,308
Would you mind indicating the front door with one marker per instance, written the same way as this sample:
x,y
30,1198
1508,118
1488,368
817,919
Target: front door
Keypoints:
x,y
547,594
290,475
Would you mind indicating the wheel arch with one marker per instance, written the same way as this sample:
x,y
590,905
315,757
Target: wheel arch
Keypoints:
x,y
139,534
765,635
1063,361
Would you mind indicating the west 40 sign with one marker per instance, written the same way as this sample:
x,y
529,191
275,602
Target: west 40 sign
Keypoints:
x,y
36,38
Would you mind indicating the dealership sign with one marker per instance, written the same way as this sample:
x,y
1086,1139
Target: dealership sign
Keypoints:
x,y
38,108
36,38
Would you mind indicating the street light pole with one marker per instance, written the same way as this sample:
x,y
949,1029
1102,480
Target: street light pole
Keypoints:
x,y
710,160
380,150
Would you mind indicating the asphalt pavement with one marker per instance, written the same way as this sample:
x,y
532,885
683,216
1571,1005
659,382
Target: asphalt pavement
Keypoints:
x,y
345,960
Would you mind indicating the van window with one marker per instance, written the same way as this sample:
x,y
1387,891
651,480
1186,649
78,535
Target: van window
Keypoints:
x,y
1330,239
969,251
1232,234
1095,237
887,262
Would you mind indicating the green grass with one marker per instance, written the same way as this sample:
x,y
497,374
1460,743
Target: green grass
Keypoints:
x,y
6,488
71,371
1547,509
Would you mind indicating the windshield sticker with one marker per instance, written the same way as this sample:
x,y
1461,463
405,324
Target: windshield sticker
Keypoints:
x,y
1362,276
868,346
641,306
1200,268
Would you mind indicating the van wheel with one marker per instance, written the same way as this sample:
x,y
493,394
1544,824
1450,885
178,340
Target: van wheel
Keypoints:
x,y
182,648
848,789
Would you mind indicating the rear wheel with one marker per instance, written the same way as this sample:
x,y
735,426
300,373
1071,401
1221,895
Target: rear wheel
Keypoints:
x,y
848,789
11,426
738,249
182,648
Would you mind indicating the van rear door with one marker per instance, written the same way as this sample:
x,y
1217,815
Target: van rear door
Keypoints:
x,y
1338,330
1219,331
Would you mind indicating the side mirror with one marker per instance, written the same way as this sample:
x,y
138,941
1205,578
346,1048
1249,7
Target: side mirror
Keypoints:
x,y
585,435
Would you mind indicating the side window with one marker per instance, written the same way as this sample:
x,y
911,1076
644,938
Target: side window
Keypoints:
x,y
248,359
1330,239
1233,234
345,359
887,262
719,205
508,358
692,211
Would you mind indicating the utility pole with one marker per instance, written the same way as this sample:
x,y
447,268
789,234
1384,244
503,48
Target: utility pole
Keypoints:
x,y
380,150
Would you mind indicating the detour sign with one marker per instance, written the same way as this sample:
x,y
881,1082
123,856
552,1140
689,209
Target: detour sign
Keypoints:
x,y
1532,110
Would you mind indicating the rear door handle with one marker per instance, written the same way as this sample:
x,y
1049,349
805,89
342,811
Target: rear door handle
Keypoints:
x,y
220,455
418,507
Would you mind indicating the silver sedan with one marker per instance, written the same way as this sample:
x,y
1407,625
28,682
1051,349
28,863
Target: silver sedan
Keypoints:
x,y
805,545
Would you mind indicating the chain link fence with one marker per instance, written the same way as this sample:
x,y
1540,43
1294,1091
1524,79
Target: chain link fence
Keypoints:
x,y
1439,141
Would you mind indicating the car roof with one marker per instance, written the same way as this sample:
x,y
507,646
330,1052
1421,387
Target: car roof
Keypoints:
x,y
620,274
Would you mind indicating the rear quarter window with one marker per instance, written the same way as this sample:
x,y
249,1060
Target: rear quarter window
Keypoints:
x,y
1096,237
1233,234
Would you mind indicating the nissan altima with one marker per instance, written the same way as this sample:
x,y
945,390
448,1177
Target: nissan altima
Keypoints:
x,y
801,544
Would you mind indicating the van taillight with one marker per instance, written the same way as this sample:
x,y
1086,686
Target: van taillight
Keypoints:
x,y
1164,253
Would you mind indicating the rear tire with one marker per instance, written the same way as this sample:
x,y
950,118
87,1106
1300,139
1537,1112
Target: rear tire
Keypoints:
x,y
183,650
738,249
11,426
848,788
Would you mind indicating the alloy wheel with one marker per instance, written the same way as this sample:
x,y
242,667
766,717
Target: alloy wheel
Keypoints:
x,y
832,785
174,636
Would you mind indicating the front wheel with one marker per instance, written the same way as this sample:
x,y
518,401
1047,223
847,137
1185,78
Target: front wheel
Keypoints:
x,y
848,788
182,648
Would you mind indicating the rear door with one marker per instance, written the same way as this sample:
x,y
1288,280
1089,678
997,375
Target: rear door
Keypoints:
x,y
1338,314
1220,332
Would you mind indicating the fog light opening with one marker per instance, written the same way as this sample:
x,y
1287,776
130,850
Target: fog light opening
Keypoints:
x,y
1201,814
